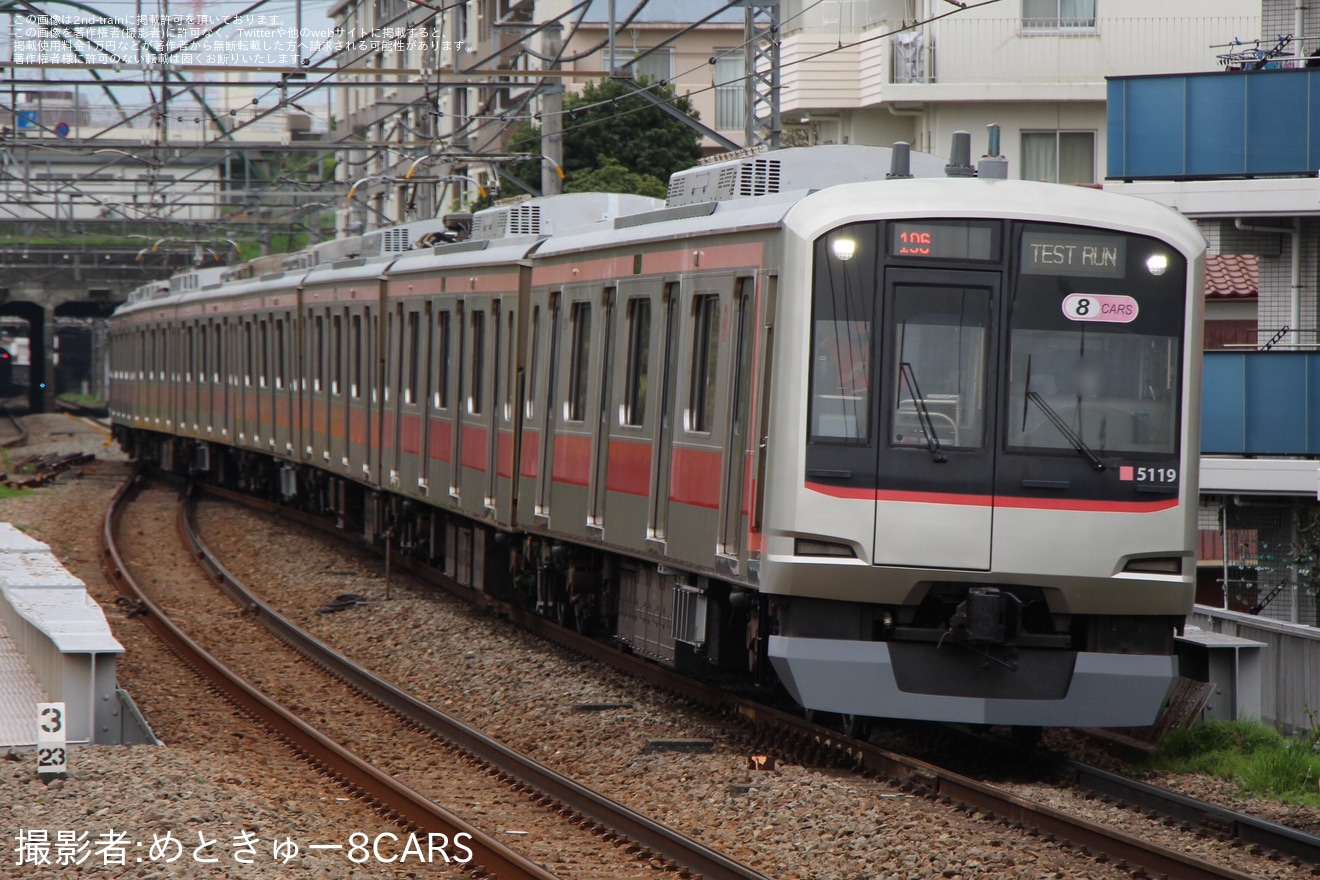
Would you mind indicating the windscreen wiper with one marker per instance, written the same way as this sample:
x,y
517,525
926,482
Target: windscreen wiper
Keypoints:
x,y
923,414
1057,421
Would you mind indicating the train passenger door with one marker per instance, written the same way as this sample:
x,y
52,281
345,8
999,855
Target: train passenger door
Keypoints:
x,y
936,455
600,445
491,395
285,397
658,526
737,456
548,406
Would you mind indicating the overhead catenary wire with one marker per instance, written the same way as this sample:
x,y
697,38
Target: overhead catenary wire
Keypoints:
x,y
318,75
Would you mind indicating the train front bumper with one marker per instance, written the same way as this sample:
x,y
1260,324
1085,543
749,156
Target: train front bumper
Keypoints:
x,y
858,678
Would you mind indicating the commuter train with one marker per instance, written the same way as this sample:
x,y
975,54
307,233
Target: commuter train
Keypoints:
x,y
923,444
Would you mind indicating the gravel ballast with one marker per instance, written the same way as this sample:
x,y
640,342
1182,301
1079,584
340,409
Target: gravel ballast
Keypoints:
x,y
218,772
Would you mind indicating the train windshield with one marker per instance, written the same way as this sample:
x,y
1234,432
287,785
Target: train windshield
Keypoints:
x,y
1113,392
910,349
1095,337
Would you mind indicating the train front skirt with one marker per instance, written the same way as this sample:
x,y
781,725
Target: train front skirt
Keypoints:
x,y
859,678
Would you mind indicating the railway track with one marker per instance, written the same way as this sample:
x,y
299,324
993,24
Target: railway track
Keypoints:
x,y
636,840
12,431
782,733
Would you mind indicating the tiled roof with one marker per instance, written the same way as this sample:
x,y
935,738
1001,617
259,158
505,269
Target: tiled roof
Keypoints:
x,y
1232,277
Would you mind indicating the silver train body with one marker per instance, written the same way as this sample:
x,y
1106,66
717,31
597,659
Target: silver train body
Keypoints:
x,y
926,448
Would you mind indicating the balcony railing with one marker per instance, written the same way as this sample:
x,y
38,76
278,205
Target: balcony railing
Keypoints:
x,y
1261,403
1226,124
1015,51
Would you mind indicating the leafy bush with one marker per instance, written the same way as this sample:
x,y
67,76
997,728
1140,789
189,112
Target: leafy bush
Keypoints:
x,y
1256,757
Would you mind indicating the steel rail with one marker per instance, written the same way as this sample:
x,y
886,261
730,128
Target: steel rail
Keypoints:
x,y
1250,830
392,796
904,770
573,797
18,426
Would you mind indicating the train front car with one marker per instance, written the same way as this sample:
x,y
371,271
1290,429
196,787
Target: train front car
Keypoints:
x,y
982,488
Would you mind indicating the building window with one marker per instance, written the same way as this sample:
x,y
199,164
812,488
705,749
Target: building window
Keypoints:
x,y
1058,156
730,89
656,67
1058,15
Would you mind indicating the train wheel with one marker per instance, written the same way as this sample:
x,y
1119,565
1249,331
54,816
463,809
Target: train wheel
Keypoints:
x,y
855,726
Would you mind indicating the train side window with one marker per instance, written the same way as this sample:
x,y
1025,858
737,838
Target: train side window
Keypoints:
x,y
510,368
280,356
355,388
442,362
579,363
249,359
219,341
318,342
476,389
263,353
337,357
203,363
639,350
705,355
192,354
414,357
532,363
843,291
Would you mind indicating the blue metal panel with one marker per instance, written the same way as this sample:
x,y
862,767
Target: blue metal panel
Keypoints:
x,y
1312,409
1231,124
1261,403
1313,114
1276,402
1115,115
1276,143
1223,419
1155,121
1215,104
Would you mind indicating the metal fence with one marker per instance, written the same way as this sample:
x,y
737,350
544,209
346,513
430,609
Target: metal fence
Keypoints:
x,y
1272,558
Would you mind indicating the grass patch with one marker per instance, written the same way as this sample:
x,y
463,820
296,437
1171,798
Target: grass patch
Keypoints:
x,y
1258,759
88,400
7,492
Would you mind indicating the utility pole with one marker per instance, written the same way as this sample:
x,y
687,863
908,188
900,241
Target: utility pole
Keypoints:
x,y
761,48
552,119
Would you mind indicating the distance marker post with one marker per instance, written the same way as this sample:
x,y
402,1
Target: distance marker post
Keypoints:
x,y
52,752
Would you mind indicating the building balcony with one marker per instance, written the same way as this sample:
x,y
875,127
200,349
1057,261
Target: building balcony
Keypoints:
x,y
1261,403
995,58
1238,124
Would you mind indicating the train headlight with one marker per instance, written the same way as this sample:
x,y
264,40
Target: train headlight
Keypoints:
x,y
1156,264
844,248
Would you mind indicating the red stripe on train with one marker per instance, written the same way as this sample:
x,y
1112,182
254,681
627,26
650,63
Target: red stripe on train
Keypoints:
x,y
1005,501
694,477
629,469
474,451
572,463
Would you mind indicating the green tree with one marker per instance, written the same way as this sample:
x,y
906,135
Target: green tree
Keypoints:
x,y
608,121
612,177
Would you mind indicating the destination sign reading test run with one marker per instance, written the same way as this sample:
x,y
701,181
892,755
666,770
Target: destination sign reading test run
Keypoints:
x,y
1096,256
